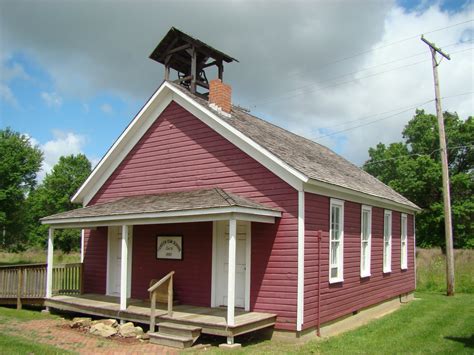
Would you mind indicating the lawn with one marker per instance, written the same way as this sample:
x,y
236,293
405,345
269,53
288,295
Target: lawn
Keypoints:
x,y
432,324
23,343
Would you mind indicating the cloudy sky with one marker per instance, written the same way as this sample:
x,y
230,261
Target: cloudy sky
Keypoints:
x,y
347,73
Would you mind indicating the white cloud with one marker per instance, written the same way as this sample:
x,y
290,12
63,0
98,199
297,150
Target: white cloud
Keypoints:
x,y
63,143
281,47
106,108
8,73
52,99
6,95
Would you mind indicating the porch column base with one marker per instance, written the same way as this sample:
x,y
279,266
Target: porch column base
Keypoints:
x,y
46,310
230,345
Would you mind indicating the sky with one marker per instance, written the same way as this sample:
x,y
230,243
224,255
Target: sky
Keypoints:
x,y
348,74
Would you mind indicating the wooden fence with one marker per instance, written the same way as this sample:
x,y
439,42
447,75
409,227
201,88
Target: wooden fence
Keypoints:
x,y
28,282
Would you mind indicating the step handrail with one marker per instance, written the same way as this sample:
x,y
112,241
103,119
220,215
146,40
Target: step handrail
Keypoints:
x,y
153,290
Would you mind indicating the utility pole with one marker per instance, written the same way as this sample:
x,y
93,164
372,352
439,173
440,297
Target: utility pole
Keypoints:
x,y
448,229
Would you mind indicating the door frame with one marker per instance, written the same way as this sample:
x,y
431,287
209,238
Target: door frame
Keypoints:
x,y
110,230
248,258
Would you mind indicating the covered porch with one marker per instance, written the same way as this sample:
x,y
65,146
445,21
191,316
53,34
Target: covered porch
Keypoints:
x,y
224,210
211,320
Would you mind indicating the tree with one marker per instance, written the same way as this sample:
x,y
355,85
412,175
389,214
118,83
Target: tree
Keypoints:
x,y
54,196
413,168
19,164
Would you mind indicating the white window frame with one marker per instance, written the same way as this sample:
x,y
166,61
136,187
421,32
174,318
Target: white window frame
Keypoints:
x,y
340,254
366,272
387,253
404,241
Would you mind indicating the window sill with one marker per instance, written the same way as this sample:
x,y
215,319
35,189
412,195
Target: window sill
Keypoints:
x,y
335,281
363,276
404,268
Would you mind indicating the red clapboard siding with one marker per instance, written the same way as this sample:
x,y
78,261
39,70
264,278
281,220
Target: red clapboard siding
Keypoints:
x,y
192,279
355,292
178,153
95,260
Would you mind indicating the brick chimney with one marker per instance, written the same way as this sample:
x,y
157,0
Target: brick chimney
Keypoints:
x,y
220,96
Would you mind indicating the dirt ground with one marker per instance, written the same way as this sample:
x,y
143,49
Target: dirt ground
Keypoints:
x,y
56,332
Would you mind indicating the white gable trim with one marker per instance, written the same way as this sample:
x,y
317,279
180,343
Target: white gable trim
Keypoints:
x,y
325,189
147,116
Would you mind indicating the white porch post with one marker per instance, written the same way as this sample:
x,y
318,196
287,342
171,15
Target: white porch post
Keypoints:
x,y
49,270
124,269
82,244
231,276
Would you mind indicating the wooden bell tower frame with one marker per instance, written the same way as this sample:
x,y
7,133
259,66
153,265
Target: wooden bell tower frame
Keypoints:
x,y
190,58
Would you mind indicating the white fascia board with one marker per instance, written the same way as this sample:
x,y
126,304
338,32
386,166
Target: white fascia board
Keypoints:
x,y
122,146
329,190
208,214
147,116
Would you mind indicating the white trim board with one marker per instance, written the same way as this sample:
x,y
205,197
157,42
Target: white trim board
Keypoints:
x,y
301,271
329,190
199,215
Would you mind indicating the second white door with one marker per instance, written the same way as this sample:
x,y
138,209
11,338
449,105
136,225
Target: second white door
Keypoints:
x,y
241,267
115,260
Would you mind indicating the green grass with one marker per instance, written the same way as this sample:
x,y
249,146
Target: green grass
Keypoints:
x,y
8,315
431,270
17,344
34,256
433,324
10,344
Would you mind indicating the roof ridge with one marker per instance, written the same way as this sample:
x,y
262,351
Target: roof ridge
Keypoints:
x,y
225,196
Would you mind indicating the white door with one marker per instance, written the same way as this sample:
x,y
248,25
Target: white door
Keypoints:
x,y
242,271
114,263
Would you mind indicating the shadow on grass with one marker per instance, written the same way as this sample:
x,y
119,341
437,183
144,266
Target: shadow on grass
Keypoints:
x,y
468,342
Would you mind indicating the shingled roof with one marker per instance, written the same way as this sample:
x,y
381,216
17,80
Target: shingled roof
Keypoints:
x,y
306,156
164,202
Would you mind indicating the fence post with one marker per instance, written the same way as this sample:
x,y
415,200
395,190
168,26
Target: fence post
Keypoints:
x,y
81,279
18,291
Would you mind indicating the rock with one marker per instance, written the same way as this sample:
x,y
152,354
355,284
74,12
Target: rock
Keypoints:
x,y
81,322
145,336
109,322
128,330
103,330
139,332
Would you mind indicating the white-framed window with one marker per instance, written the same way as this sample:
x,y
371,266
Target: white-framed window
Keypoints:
x,y
387,241
365,240
404,242
336,242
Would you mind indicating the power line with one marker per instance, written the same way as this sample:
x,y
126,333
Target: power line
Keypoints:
x,y
387,63
374,121
388,44
384,118
301,90
370,162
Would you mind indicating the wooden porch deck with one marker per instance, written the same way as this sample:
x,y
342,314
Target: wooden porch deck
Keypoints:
x,y
211,320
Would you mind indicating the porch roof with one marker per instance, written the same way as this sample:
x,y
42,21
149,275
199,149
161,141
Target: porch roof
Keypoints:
x,y
181,206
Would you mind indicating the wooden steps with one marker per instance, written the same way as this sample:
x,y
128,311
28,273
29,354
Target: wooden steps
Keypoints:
x,y
175,335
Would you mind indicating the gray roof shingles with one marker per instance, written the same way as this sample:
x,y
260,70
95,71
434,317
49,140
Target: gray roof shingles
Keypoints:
x,y
164,202
310,158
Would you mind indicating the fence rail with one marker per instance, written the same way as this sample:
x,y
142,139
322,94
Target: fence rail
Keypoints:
x,y
29,281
